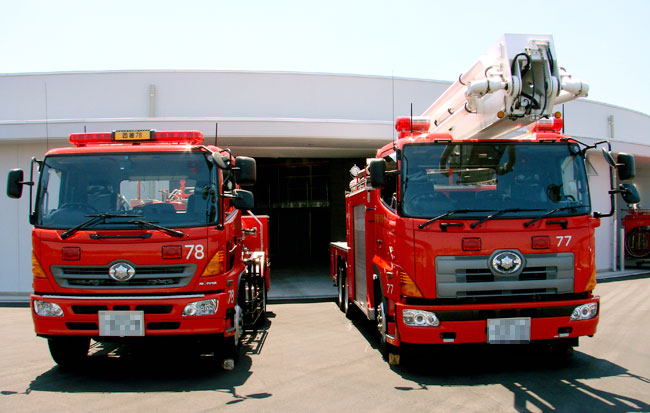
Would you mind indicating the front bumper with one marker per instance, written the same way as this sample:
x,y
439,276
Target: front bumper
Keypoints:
x,y
162,314
468,323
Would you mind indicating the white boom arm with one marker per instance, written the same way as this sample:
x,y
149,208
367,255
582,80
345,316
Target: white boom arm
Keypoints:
x,y
515,83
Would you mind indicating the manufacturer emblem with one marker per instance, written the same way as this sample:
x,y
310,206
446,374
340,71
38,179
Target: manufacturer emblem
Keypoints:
x,y
121,271
506,263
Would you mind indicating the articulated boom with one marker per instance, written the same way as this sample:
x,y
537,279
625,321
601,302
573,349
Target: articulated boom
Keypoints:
x,y
517,82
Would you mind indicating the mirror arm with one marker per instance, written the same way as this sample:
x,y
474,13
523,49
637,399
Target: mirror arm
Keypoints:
x,y
32,211
213,153
222,214
612,206
612,192
229,152
609,144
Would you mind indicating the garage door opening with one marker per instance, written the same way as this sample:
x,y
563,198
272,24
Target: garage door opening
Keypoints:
x,y
305,200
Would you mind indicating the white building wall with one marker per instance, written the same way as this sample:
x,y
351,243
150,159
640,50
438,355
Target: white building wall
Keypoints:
x,y
259,114
16,251
600,201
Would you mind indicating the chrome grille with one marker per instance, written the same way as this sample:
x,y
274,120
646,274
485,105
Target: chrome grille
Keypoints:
x,y
149,276
470,276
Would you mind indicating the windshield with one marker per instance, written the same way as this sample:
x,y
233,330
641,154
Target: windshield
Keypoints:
x,y
169,189
525,179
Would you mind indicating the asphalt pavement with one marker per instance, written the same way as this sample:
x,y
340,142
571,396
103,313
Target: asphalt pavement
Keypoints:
x,y
309,357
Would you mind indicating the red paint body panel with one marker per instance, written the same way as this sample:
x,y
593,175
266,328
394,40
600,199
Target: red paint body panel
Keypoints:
x,y
215,324
476,331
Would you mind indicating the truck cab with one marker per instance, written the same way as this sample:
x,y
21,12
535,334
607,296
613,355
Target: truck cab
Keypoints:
x,y
115,258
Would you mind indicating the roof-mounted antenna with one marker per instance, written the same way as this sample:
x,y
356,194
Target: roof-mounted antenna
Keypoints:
x,y
393,93
47,121
411,118
216,132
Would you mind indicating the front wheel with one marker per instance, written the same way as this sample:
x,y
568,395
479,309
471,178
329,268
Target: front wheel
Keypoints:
x,y
561,351
230,347
388,351
69,351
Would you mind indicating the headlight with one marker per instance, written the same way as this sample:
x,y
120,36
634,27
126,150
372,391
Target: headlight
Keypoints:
x,y
204,307
45,309
585,312
420,318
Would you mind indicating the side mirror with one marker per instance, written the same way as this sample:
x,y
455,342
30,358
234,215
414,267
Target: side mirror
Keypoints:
x,y
630,194
609,158
218,159
625,166
377,172
243,199
15,183
245,170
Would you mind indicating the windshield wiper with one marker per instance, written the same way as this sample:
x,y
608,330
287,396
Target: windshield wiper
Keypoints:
x,y
149,224
450,213
501,212
94,219
551,212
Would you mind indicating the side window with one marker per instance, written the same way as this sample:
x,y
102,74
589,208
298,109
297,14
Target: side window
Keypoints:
x,y
389,191
572,189
51,196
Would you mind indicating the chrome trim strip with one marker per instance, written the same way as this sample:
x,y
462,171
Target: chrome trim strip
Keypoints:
x,y
130,297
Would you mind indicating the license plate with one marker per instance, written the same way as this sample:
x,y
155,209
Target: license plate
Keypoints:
x,y
509,330
121,323
132,135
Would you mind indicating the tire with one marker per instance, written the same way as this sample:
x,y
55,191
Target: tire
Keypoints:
x,y
231,346
350,311
388,351
341,290
69,351
561,352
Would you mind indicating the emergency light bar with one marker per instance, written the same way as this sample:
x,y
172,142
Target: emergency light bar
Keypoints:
x,y
130,136
554,124
404,125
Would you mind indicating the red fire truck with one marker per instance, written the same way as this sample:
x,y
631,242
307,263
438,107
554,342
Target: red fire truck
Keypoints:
x,y
459,233
114,258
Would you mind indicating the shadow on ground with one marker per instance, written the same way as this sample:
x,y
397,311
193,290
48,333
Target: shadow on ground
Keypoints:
x,y
534,375
114,368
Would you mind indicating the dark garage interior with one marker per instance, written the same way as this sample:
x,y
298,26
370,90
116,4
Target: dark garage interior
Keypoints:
x,y
305,200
